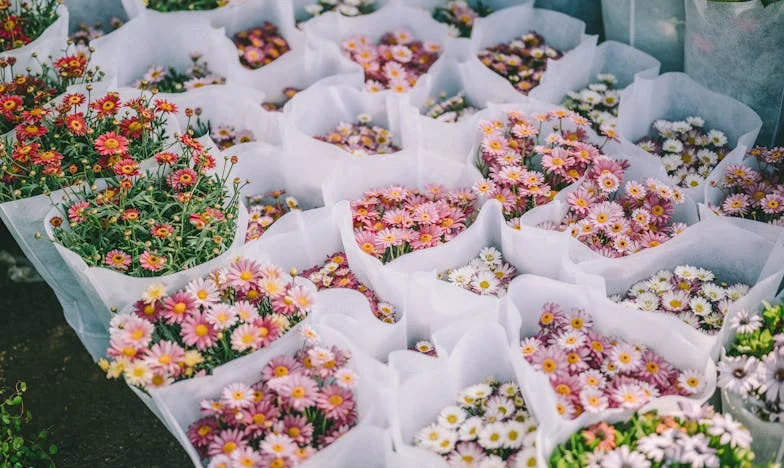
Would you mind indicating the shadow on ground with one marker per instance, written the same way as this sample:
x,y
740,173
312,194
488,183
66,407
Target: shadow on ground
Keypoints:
x,y
95,422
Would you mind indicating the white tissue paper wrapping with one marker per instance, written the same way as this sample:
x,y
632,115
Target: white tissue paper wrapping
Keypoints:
x,y
301,15
749,69
623,61
714,196
317,111
656,27
479,352
108,289
732,254
520,313
768,442
562,32
451,140
179,403
52,41
588,11
159,40
675,96
237,106
91,12
136,8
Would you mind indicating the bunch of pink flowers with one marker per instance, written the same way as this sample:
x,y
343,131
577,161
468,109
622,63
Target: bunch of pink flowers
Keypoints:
x,y
260,46
232,312
336,273
524,167
361,138
396,62
522,62
267,208
302,404
616,225
395,220
756,194
591,372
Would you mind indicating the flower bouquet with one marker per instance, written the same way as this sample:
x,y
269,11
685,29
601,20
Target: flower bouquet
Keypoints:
x,y
233,311
744,71
524,48
360,138
166,6
459,15
393,47
709,287
87,32
602,358
265,209
683,114
749,373
303,401
657,28
23,23
260,46
344,7
180,55
597,96
691,437
63,146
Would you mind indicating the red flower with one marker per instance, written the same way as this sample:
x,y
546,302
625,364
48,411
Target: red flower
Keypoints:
x,y
162,105
71,65
110,144
166,158
131,127
162,231
126,168
10,103
76,124
107,105
24,153
29,131
48,158
182,179
73,99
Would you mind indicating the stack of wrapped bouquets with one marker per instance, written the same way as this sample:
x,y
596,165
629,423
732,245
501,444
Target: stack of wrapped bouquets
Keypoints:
x,y
393,233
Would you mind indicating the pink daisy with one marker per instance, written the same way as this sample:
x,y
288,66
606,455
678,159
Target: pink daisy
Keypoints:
x,y
118,260
166,356
226,442
298,391
178,306
243,274
281,366
110,144
297,428
151,261
76,212
336,402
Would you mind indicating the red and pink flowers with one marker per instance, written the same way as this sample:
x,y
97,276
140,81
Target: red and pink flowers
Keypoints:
x,y
395,220
756,194
266,209
336,273
231,312
301,405
522,62
395,63
361,138
617,225
523,167
591,373
260,46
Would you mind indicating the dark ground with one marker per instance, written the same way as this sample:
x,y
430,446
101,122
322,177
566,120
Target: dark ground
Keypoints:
x,y
94,422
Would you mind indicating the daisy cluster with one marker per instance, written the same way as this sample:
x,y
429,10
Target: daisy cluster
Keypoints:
x,y
260,46
344,7
754,365
336,273
302,404
361,138
225,136
487,274
756,194
164,220
395,220
22,22
449,109
170,80
88,32
288,93
591,372
185,5
267,208
691,294
489,426
460,15
697,437
524,167
76,139
522,62
616,225
425,347
213,320
598,102
688,151
396,62
23,96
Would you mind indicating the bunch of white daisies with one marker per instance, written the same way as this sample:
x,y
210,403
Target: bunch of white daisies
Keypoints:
x,y
487,274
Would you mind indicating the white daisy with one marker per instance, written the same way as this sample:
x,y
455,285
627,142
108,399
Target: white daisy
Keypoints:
x,y
700,306
485,283
451,417
490,256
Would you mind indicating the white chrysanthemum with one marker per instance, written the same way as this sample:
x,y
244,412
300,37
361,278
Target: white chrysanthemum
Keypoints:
x,y
690,319
470,428
640,287
659,287
691,381
717,137
647,301
461,276
590,96
508,389
526,458
514,434
700,306
662,126
446,443
681,126
451,417
706,156
490,256
429,436
692,181
736,291
703,274
662,276
672,146
491,437
672,162
500,407
485,283
695,121
686,272
493,461
713,291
